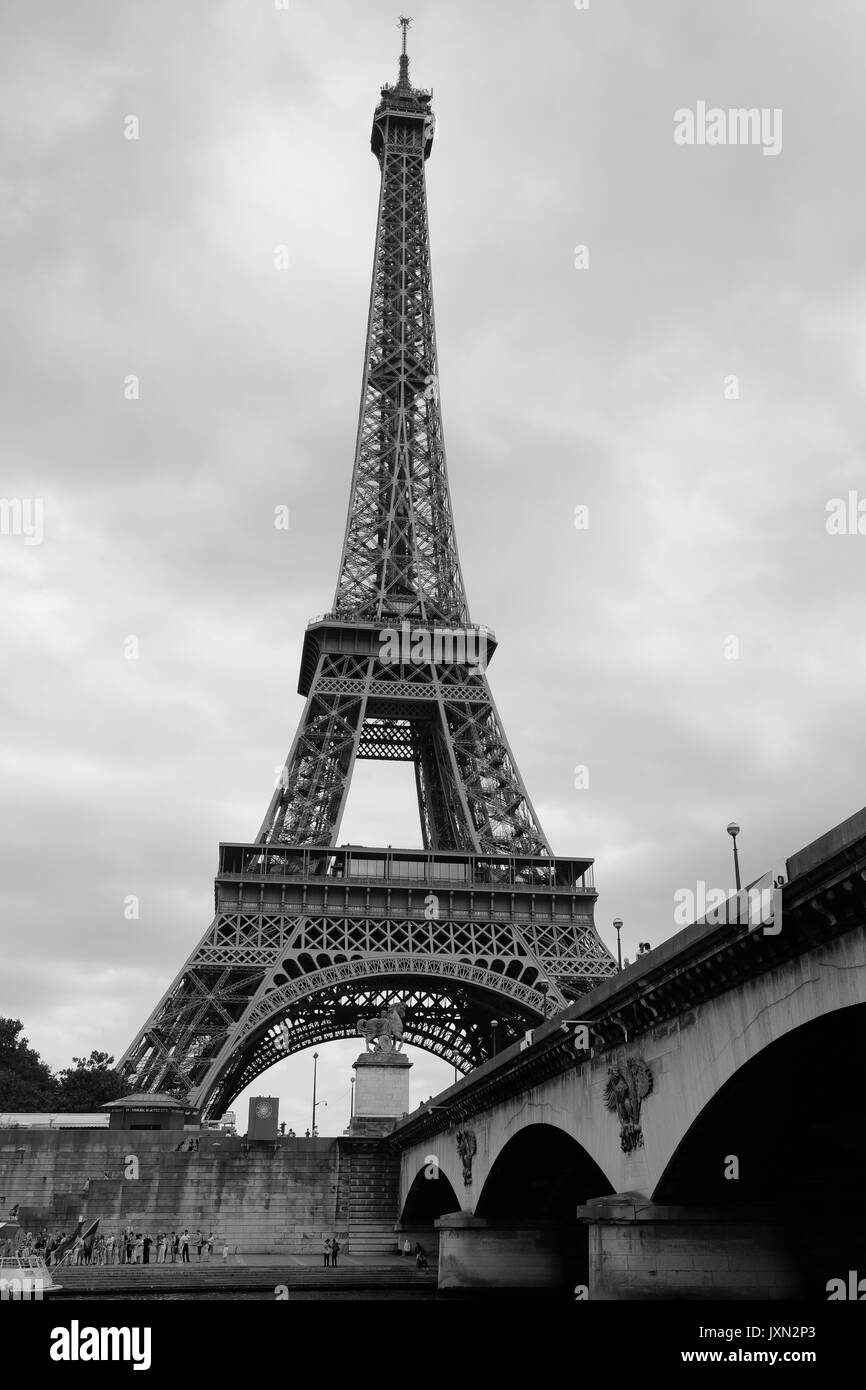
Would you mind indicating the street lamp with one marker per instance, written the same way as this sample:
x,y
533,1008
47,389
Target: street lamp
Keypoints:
x,y
315,1065
494,1034
617,926
733,831
351,1097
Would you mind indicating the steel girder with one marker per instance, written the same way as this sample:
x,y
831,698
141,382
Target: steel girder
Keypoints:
x,y
470,793
255,969
217,1023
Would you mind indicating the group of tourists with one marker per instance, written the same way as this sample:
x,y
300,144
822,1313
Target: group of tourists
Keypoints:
x,y
138,1248
331,1248
135,1247
126,1247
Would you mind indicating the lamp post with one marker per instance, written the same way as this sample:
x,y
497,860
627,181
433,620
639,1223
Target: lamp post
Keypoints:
x,y
351,1098
315,1065
617,926
733,831
494,1033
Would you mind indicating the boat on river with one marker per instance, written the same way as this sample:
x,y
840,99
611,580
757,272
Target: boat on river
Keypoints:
x,y
22,1277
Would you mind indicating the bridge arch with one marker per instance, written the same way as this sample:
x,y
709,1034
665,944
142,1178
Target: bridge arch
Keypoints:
x,y
534,1186
692,1061
541,1172
787,1133
430,1196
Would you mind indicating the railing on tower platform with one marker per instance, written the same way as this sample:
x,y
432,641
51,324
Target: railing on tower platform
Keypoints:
x,y
359,864
395,620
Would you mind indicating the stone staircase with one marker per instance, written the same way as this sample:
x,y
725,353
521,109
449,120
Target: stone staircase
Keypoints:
x,y
367,1198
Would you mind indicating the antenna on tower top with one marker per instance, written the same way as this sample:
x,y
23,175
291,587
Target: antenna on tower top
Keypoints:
x,y
403,84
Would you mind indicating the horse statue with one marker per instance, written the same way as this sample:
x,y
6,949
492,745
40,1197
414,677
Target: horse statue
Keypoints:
x,y
385,1033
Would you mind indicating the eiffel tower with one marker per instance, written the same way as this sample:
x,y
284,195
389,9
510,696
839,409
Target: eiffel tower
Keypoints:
x,y
484,923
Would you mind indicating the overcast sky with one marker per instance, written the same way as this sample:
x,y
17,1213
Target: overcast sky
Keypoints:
x,y
603,387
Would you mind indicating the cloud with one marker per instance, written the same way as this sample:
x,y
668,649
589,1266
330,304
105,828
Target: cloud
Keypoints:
x,y
155,257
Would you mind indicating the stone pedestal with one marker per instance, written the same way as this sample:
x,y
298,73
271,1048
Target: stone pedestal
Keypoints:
x,y
381,1091
475,1254
641,1250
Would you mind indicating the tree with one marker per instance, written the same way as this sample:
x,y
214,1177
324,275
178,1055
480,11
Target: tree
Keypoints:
x,y
26,1082
89,1084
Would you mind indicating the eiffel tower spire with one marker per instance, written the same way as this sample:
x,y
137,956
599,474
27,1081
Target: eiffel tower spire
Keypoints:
x,y
403,80
482,922
400,552
400,563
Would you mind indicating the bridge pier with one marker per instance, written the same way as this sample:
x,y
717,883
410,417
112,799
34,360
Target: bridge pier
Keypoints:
x,y
639,1249
521,1254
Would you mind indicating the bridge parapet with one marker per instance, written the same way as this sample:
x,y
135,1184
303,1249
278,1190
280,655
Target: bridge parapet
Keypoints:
x,y
823,899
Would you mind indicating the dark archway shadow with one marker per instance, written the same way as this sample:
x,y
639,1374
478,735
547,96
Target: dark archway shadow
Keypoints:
x,y
430,1196
794,1119
542,1175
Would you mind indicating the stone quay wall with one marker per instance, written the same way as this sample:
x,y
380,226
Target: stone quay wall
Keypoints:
x,y
282,1196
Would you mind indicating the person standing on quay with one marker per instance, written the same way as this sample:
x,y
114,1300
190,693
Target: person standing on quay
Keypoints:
x,y
326,1248
184,1248
335,1250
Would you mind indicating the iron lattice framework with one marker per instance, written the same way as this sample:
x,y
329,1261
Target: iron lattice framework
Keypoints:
x,y
481,924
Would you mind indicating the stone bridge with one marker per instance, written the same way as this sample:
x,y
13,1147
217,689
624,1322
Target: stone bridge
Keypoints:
x,y
692,1128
